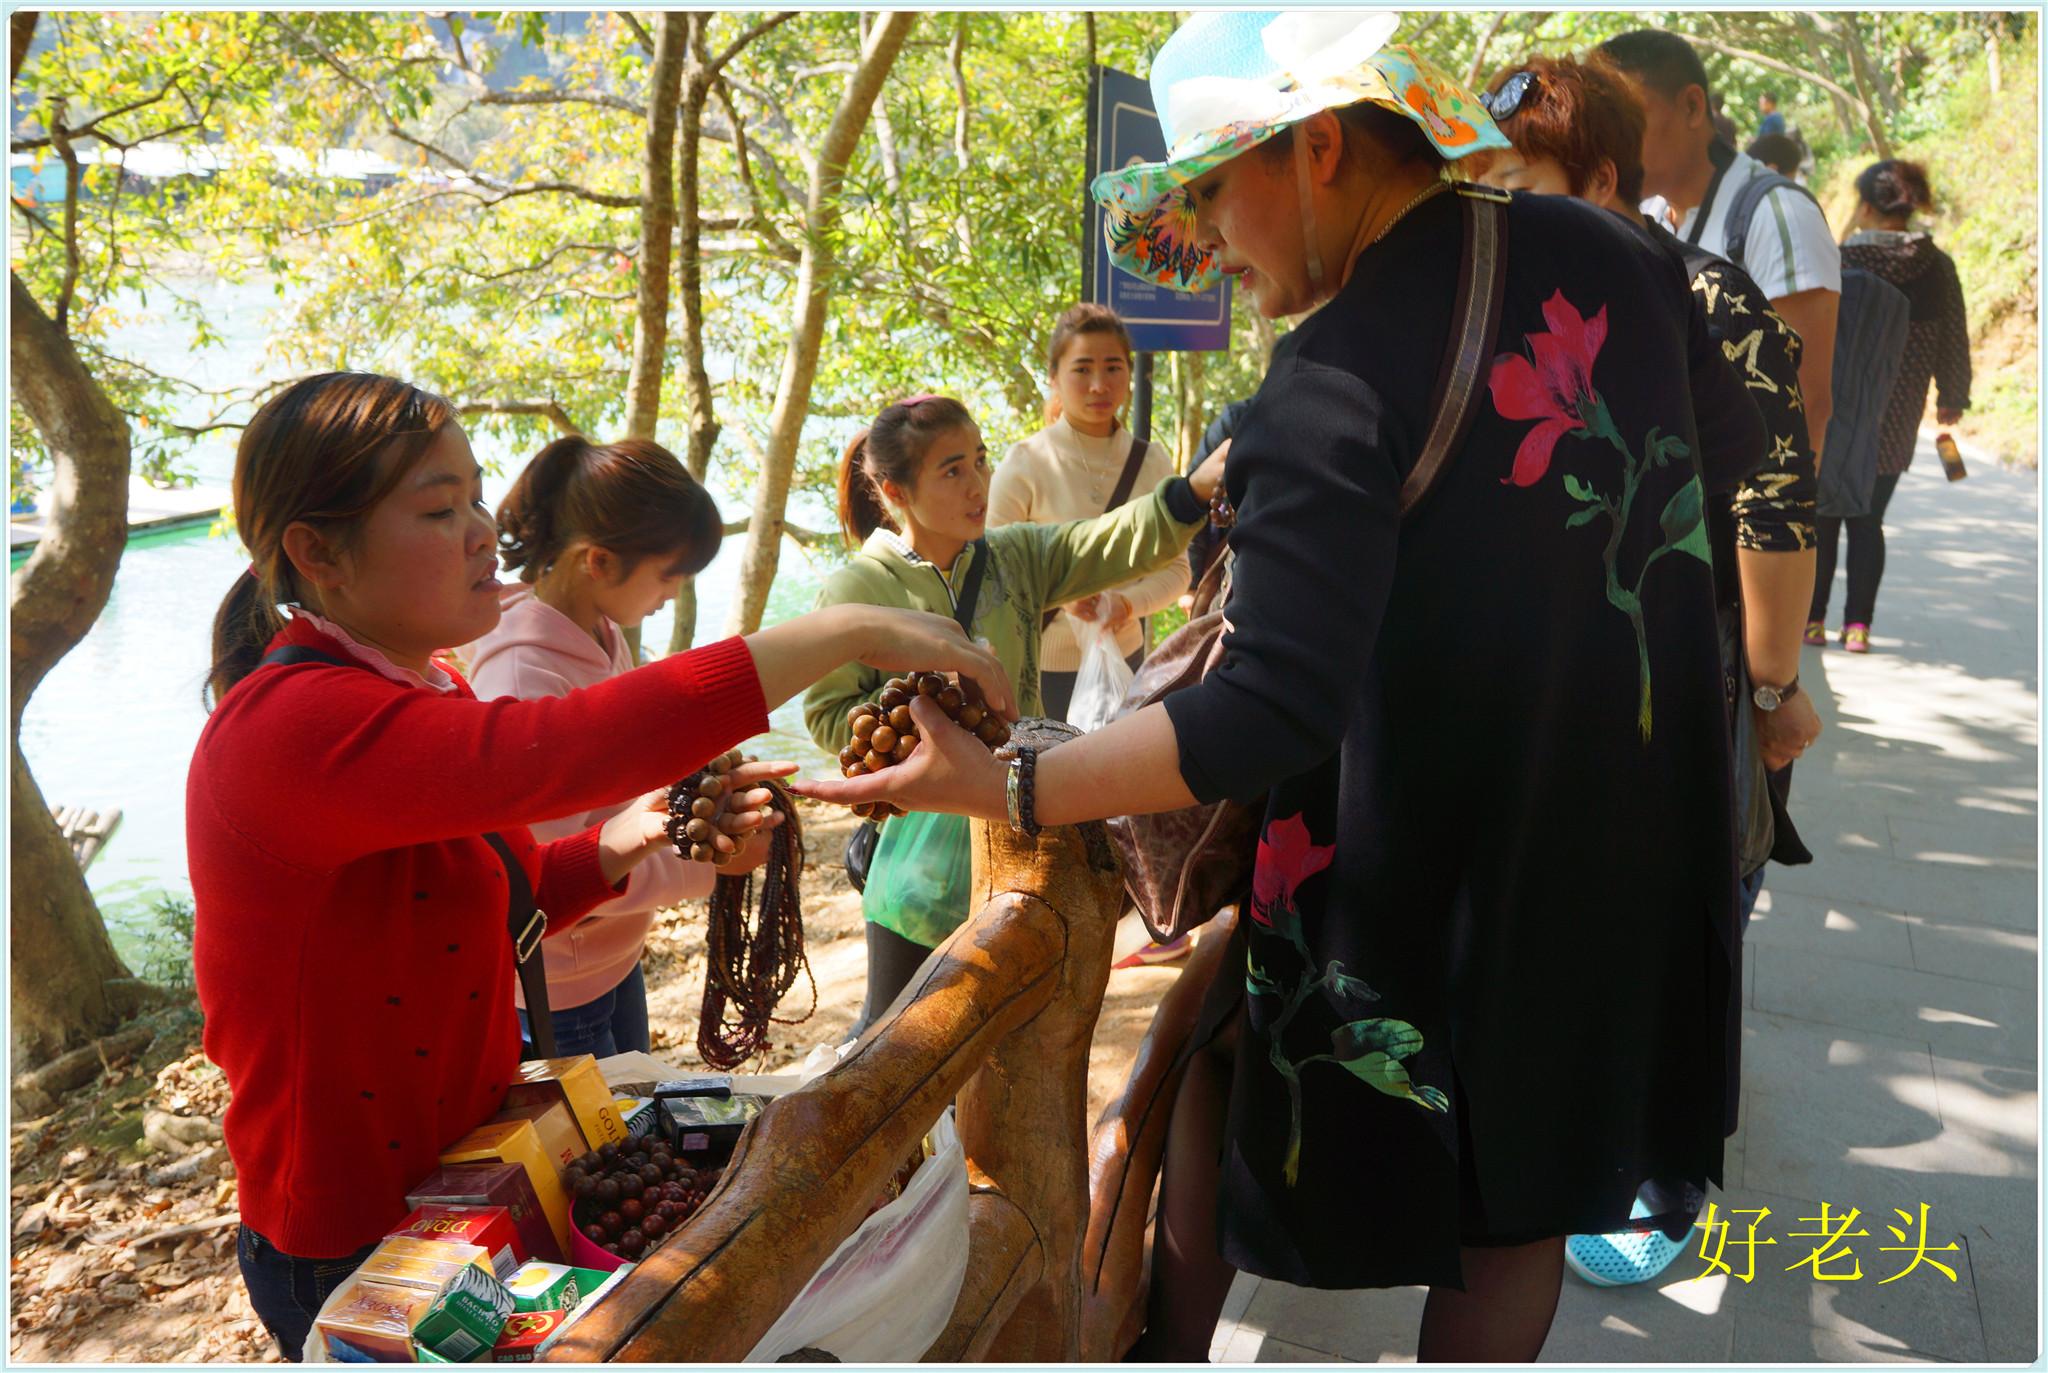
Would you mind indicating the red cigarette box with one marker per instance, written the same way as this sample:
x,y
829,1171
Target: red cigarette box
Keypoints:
x,y
493,1184
489,1227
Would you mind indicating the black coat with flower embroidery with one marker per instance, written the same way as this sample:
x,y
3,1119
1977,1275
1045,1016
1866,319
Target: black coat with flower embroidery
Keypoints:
x,y
1493,921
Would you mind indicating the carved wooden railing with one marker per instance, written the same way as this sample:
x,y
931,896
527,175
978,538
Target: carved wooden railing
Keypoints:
x,y
999,1019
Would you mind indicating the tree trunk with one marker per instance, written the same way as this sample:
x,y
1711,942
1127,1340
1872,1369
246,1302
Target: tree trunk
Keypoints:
x,y
657,227
68,983
1991,56
813,295
700,417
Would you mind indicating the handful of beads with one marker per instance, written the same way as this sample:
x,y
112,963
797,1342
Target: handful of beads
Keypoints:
x,y
884,734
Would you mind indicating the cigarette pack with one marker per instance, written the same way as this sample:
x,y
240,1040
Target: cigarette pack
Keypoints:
x,y
401,1322
516,1141
556,1127
529,1335
493,1184
577,1084
544,1287
488,1227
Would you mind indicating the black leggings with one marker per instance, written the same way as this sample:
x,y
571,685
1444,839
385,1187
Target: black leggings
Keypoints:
x,y
1866,557
892,962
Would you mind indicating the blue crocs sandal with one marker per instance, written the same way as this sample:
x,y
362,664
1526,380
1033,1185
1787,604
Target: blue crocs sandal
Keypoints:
x,y
1624,1257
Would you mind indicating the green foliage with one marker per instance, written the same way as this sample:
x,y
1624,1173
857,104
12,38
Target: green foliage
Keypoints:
x,y
167,948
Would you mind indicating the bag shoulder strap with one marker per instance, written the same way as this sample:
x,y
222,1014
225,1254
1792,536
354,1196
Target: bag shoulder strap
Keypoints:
x,y
970,594
1475,326
1129,476
1743,209
524,919
527,924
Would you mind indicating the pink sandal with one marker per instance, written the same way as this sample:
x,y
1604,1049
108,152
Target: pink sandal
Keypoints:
x,y
1856,638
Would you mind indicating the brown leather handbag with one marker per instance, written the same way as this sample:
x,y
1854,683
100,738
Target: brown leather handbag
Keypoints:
x,y
1183,866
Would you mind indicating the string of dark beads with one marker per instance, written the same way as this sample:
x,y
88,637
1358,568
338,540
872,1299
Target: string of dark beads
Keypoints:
x,y
754,952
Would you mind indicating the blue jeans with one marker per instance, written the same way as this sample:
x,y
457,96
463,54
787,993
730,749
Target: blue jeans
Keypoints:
x,y
615,1023
287,1291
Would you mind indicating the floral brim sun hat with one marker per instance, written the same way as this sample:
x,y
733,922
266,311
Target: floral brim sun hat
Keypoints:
x,y
1229,80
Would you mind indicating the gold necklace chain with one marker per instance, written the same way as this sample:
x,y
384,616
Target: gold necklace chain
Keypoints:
x,y
1432,189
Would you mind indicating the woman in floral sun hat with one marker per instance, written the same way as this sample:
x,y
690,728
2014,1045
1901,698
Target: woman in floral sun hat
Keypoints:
x,y
1488,939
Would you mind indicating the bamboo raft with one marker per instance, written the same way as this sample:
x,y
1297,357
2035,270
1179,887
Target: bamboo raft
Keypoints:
x,y
87,831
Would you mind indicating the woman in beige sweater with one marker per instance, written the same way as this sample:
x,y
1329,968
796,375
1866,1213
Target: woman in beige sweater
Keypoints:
x,y
1070,470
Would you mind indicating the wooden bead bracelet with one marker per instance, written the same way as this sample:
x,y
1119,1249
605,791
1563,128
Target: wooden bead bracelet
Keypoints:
x,y
885,734
694,806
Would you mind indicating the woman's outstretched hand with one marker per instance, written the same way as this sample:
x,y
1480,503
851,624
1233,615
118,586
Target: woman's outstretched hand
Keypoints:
x,y
950,770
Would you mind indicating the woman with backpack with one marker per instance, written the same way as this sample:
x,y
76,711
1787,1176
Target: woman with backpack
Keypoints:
x,y
1885,244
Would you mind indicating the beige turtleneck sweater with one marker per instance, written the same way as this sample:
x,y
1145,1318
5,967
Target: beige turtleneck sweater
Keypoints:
x,y
1061,474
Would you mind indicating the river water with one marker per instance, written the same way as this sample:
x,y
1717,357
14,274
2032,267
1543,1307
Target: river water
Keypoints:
x,y
115,722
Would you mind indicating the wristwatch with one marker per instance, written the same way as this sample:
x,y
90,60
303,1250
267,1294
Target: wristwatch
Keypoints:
x,y
1769,698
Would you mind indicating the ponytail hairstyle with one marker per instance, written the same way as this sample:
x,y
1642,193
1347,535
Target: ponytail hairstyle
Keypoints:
x,y
323,451
633,498
891,449
1085,318
1894,189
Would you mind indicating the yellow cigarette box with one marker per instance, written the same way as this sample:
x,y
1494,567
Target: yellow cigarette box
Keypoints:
x,y
517,1141
577,1082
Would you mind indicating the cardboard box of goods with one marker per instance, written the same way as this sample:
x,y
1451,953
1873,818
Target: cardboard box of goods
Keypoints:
x,y
557,1128
529,1335
408,1261
493,1184
388,1322
577,1083
544,1287
488,1227
516,1141
696,1124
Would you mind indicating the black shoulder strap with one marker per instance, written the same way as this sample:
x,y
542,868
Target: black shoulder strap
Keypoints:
x,y
1743,209
523,916
1129,477
528,924
963,604
293,654
1475,326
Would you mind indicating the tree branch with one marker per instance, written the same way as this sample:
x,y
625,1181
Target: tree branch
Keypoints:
x,y
21,32
757,30
1485,41
806,538
62,141
551,410
640,34
742,150
602,99
1777,65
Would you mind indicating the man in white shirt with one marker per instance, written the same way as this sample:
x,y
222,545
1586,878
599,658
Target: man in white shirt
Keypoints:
x,y
1693,179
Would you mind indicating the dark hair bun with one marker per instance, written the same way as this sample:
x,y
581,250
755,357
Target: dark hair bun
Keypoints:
x,y
1895,188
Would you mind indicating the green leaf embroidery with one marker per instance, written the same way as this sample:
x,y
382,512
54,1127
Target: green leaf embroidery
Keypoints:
x,y
1396,1038
1585,515
1347,985
1257,983
1684,529
1578,490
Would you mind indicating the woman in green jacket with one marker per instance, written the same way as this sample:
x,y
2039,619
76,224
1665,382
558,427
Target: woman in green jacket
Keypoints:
x,y
913,498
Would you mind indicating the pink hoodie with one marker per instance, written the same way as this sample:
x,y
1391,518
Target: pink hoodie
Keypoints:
x,y
536,651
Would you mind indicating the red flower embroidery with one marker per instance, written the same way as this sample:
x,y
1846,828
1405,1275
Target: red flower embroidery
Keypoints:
x,y
1286,860
1557,388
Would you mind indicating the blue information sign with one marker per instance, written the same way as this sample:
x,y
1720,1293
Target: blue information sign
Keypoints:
x,y
1126,130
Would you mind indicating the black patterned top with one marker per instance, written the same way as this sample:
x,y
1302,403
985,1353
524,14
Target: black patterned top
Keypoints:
x,y
1937,341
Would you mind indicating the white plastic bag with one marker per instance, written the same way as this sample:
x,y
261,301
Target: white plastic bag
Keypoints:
x,y
1104,677
887,1291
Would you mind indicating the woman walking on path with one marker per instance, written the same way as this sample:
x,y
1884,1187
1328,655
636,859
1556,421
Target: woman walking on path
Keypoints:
x,y
356,818
1937,351
1074,469
914,500
1488,940
602,536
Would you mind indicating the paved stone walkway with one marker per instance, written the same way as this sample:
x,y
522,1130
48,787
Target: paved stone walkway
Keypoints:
x,y
1890,1045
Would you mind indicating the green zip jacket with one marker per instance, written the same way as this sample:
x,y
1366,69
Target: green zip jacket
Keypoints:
x,y
1032,568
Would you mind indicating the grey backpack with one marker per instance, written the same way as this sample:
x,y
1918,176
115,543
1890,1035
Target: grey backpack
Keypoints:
x,y
1870,343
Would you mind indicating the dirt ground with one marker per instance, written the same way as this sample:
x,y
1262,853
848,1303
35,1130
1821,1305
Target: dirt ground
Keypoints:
x,y
122,1203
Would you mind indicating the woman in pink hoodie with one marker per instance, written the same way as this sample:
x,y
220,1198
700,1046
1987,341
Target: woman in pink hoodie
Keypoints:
x,y
602,536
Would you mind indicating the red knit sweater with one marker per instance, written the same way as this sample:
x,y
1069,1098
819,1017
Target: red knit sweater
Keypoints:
x,y
350,945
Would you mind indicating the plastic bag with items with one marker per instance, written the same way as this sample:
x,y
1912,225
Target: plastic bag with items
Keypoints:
x,y
1104,677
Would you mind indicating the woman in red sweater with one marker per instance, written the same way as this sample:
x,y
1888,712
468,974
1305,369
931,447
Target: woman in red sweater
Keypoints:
x,y
347,803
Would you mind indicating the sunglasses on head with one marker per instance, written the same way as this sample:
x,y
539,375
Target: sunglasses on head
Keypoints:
x,y
1503,103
